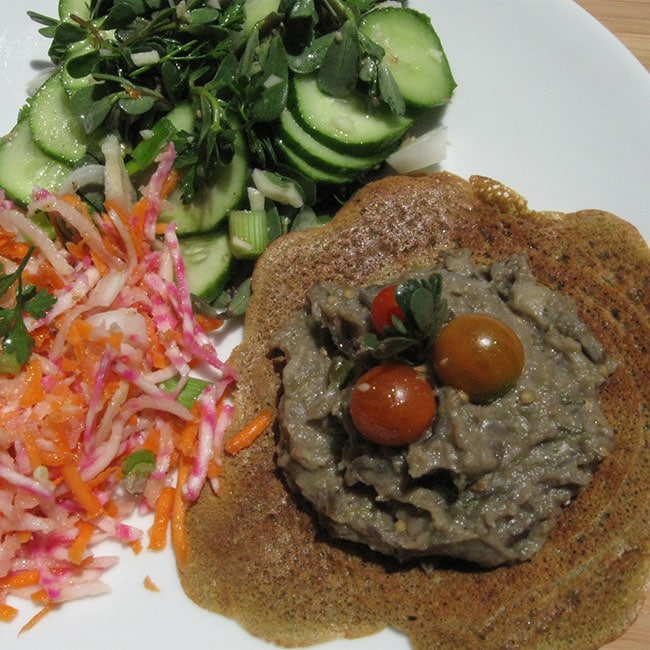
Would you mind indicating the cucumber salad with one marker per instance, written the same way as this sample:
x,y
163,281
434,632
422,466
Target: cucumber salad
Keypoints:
x,y
276,111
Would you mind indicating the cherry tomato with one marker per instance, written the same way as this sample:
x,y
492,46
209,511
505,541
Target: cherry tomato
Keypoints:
x,y
480,355
392,404
383,308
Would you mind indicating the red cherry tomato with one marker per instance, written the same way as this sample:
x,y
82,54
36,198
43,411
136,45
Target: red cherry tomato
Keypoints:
x,y
383,308
392,404
480,355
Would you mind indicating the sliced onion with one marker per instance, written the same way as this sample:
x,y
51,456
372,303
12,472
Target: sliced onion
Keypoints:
x,y
117,184
280,190
82,177
420,152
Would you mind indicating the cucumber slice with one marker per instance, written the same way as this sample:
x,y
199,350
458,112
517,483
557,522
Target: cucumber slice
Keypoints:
x,y
55,128
24,166
344,123
182,117
310,169
414,54
319,154
79,8
207,261
256,10
207,211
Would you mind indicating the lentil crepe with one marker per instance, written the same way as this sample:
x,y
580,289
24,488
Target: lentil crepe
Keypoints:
x,y
257,554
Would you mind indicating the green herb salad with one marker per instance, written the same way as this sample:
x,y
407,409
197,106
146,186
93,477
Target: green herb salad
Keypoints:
x,y
277,111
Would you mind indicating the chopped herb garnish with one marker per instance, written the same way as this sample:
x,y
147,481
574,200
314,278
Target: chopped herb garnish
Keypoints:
x,y
188,394
141,463
424,312
17,343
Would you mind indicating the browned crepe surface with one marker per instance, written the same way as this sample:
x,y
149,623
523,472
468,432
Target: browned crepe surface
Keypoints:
x,y
256,554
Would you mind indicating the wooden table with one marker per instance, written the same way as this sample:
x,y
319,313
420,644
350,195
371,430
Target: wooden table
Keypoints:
x,y
629,20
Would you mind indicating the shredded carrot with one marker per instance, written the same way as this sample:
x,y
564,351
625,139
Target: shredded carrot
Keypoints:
x,y
78,548
37,617
25,536
75,201
111,508
33,392
133,222
80,331
208,323
21,579
102,476
162,515
180,540
81,491
31,447
14,250
214,469
46,277
156,351
56,458
40,596
187,440
136,546
248,434
170,183
152,441
7,613
42,338
150,585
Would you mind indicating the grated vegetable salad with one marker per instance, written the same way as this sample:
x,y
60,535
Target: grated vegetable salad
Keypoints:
x,y
92,428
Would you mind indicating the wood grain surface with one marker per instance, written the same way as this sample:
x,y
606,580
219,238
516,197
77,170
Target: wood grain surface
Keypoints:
x,y
629,21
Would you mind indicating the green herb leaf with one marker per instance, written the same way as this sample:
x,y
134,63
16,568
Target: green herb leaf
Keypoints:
x,y
83,65
17,344
389,90
192,388
424,311
120,16
137,106
339,70
310,58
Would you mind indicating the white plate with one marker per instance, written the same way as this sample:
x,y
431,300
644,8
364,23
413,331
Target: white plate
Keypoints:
x,y
548,102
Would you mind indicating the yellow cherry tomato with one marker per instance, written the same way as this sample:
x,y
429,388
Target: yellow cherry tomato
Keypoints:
x,y
480,355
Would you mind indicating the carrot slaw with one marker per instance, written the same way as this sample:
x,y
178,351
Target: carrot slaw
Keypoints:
x,y
90,432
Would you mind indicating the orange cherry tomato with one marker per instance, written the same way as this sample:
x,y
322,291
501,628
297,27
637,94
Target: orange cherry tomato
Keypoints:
x,y
480,355
383,308
392,404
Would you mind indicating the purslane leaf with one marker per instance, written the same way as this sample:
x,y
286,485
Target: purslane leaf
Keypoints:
x,y
424,311
389,90
339,70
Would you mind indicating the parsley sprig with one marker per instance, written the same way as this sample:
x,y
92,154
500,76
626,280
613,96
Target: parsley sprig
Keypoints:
x,y
16,342
424,311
